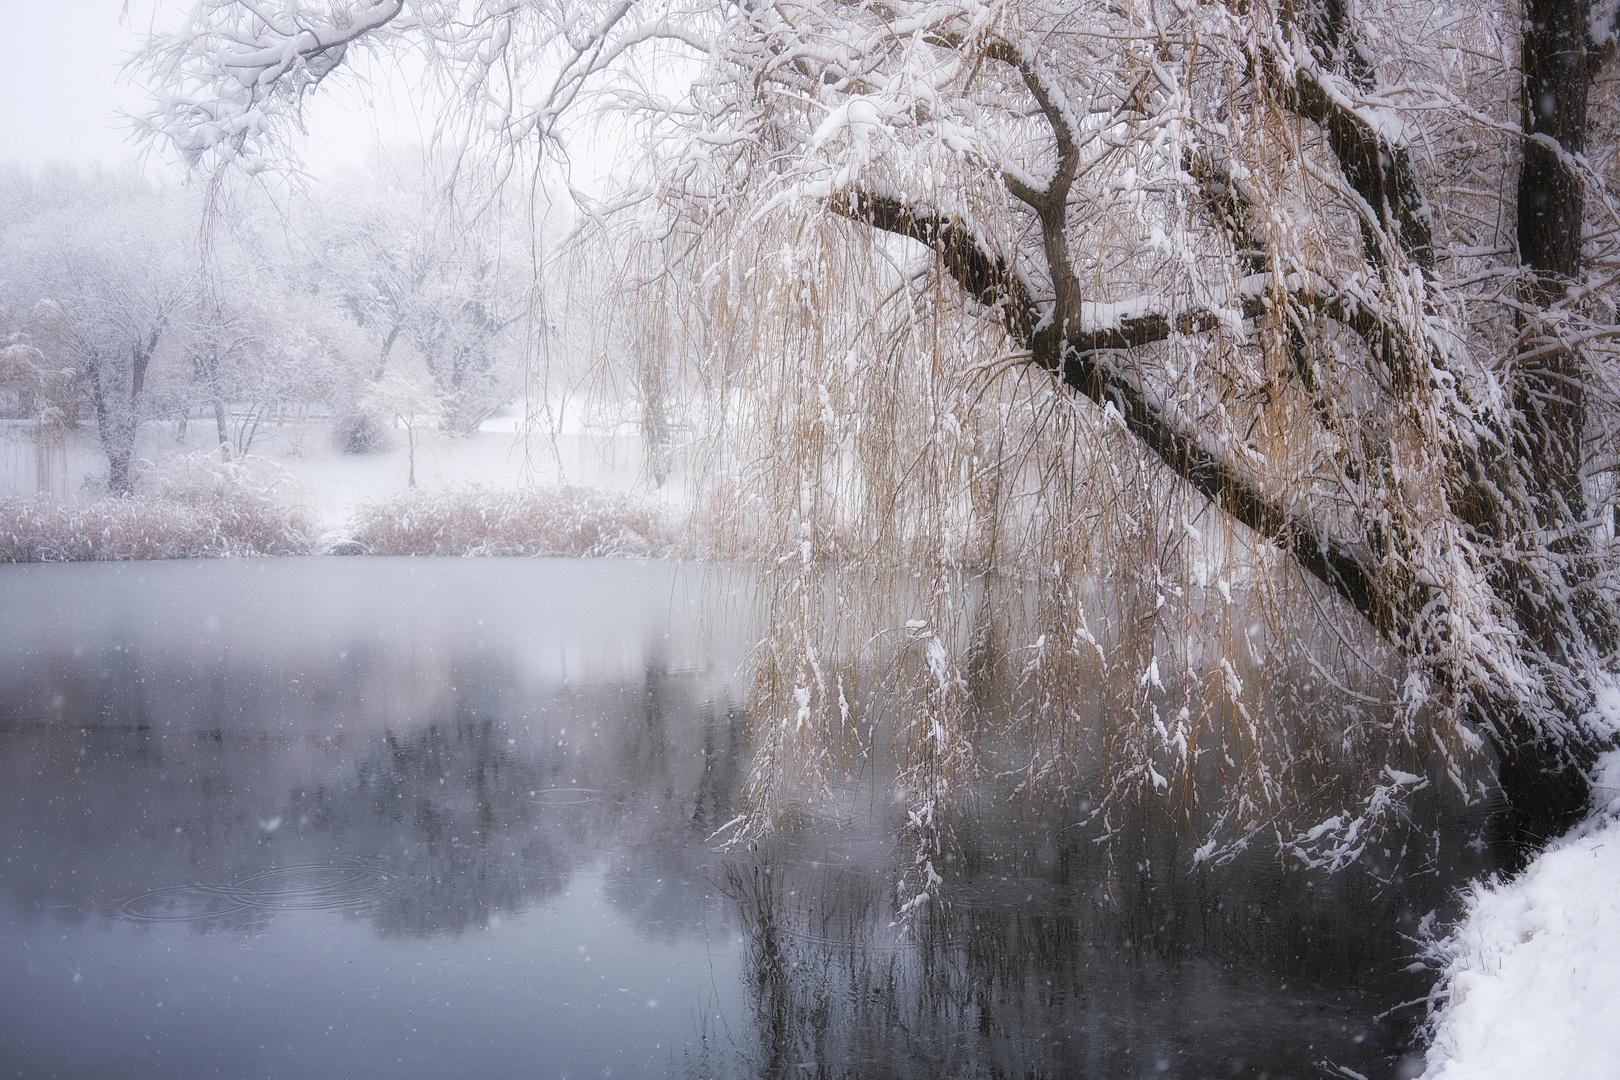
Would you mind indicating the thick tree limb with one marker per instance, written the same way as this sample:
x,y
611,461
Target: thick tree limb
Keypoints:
x,y
1376,168
1379,170
1323,556
1076,361
986,277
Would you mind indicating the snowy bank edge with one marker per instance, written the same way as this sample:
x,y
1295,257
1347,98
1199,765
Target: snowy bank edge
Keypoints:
x,y
1530,975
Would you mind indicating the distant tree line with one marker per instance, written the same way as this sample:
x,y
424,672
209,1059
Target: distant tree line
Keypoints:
x,y
125,303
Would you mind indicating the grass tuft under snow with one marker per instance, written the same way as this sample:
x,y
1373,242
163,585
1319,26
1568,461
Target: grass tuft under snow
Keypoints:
x,y
1531,975
196,507
471,520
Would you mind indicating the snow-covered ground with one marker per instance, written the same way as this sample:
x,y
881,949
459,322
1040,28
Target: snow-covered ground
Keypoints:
x,y
329,484
1533,971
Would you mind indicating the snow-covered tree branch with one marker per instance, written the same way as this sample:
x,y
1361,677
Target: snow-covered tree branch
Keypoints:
x,y
1012,288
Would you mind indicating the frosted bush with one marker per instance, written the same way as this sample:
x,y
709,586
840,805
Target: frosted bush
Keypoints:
x,y
362,432
563,520
196,507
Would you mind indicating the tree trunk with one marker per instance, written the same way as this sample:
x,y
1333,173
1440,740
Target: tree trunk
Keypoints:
x,y
1548,391
115,425
205,370
1543,777
410,438
387,347
118,408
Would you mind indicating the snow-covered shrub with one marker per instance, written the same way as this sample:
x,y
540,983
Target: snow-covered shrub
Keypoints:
x,y
562,520
363,432
196,507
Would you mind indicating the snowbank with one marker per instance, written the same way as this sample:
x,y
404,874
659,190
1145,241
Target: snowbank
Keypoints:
x,y
331,484
1532,974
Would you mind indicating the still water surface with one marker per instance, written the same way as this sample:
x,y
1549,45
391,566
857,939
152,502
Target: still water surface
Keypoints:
x,y
424,818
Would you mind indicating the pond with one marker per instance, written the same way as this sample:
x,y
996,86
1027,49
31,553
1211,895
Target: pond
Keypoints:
x,y
422,818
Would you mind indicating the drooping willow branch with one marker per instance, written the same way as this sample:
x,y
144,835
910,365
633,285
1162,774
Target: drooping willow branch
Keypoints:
x,y
1077,361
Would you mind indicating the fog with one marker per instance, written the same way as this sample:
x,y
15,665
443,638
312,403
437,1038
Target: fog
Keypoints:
x,y
1152,441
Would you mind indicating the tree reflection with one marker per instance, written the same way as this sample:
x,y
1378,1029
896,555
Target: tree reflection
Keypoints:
x,y
1052,956
446,791
478,815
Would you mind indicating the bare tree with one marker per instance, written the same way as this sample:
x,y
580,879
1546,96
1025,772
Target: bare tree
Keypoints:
x,y
110,256
415,269
415,403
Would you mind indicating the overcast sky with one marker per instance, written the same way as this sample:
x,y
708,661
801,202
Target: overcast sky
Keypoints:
x,y
61,90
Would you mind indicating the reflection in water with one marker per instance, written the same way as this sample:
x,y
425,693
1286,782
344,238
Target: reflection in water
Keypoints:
x,y
1071,968
455,817
456,822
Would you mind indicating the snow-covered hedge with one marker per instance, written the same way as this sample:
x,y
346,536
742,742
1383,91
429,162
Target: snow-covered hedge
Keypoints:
x,y
542,521
198,507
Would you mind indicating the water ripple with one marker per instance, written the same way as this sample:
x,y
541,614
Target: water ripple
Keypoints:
x,y
313,886
566,796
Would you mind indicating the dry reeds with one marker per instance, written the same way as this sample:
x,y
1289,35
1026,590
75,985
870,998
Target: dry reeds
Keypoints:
x,y
562,520
198,508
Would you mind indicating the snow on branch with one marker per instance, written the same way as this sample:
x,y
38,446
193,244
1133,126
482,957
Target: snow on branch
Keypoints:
x,y
229,76
229,81
1367,143
1077,361
985,276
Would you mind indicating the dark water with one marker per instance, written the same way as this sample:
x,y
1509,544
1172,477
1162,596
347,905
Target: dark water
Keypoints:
x,y
421,818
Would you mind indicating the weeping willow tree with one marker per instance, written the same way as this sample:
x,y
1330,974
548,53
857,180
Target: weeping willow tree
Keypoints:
x,y
1100,379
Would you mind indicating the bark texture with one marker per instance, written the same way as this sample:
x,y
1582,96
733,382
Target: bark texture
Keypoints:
x,y
1544,777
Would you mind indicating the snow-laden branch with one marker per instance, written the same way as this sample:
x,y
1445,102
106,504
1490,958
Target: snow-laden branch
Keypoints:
x,y
229,81
1077,359
1367,141
229,75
